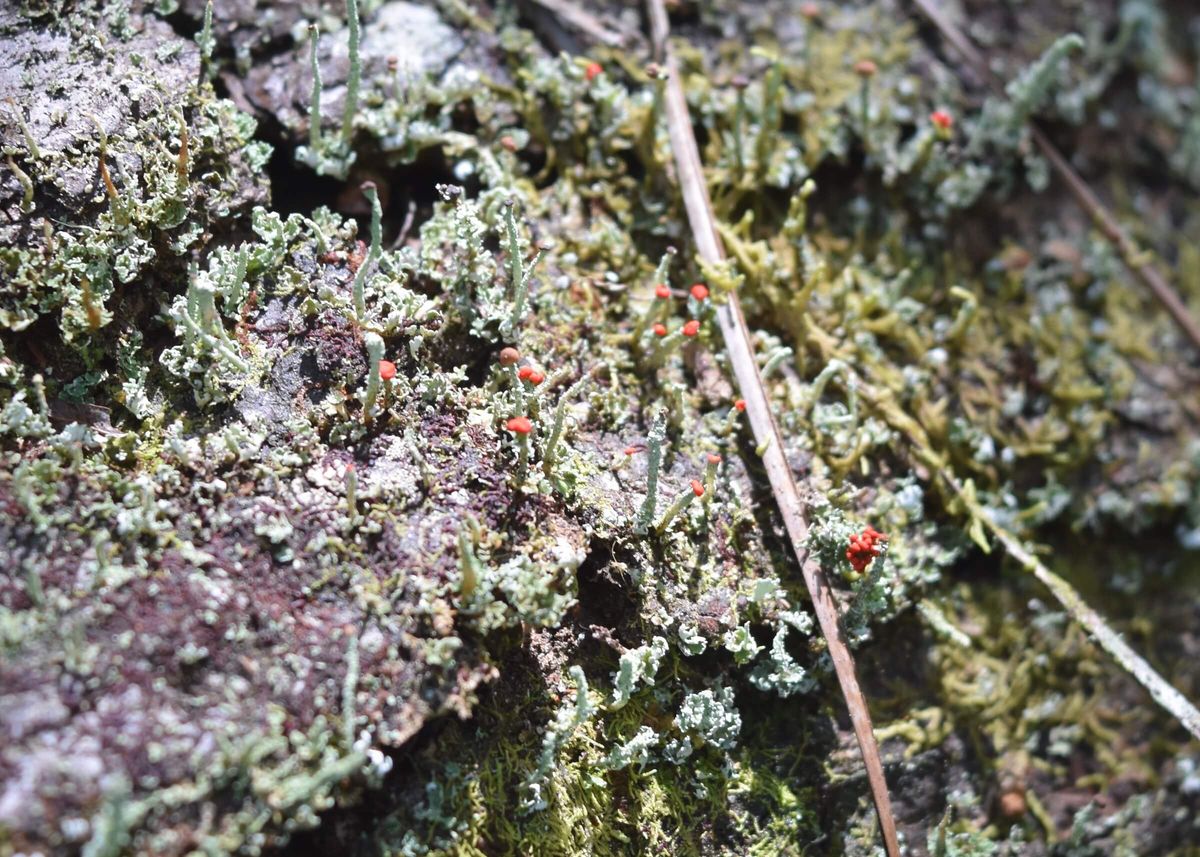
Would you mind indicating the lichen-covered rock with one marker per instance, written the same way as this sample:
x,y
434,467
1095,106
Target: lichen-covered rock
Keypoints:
x,y
402,46
119,169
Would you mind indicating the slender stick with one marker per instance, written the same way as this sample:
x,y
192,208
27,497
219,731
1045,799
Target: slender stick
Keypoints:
x,y
1159,688
766,432
582,20
1135,260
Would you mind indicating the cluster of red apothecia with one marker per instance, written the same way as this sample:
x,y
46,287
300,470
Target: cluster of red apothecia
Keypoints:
x,y
864,547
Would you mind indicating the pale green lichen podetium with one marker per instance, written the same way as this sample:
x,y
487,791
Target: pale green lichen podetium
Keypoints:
x,y
314,110
533,402
469,564
710,477
30,142
205,42
654,450
658,75
832,368
556,427
731,421
518,389
671,343
201,319
120,215
39,395
865,69
685,498
776,359
522,457
373,254
1036,83
352,82
26,185
659,308
514,250
739,123
325,155
374,354
518,283
210,319
569,717
352,491
772,114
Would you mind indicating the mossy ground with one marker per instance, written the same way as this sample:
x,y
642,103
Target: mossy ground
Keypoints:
x,y
253,590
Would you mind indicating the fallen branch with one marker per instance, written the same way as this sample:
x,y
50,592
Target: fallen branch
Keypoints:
x,y
583,21
762,422
1134,258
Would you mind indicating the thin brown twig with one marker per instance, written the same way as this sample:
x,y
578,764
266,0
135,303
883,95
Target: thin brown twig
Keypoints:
x,y
583,21
1160,690
766,432
1134,258
406,227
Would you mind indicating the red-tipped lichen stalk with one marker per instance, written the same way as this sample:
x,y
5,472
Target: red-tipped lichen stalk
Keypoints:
x,y
387,371
622,458
685,498
731,419
521,427
864,547
529,379
865,69
507,358
943,124
660,305
672,341
916,154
